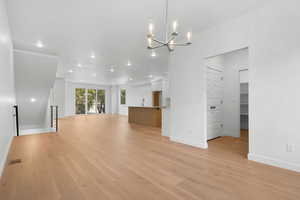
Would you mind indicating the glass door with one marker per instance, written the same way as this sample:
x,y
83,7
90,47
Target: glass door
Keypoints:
x,y
91,101
80,101
101,101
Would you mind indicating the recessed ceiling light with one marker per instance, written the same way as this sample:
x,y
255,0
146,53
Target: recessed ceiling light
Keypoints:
x,y
129,64
150,76
93,56
112,70
94,74
39,44
3,38
70,71
130,79
153,54
79,65
32,100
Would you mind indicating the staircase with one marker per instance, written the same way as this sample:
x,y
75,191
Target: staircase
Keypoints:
x,y
35,74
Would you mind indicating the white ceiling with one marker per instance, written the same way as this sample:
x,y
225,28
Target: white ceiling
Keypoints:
x,y
115,30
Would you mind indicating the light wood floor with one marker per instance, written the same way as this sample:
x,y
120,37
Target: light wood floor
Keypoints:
x,y
103,157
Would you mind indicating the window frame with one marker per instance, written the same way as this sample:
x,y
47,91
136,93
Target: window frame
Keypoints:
x,y
75,99
86,99
125,97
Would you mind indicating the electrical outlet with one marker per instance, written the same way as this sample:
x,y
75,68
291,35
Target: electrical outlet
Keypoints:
x,y
289,148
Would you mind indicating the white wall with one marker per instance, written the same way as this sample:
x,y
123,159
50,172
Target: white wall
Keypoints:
x,y
187,92
115,99
272,35
59,92
244,76
273,85
166,110
7,88
47,122
70,96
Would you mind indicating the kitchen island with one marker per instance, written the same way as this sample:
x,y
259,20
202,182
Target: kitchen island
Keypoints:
x,y
148,116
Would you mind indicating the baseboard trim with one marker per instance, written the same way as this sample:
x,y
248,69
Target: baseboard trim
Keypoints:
x,y
274,162
122,114
198,144
37,131
4,161
214,138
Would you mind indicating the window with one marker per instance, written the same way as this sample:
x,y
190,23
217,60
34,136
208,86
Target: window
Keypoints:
x,y
89,101
123,96
80,100
101,101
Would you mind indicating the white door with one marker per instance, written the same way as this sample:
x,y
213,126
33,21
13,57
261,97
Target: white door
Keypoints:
x,y
214,103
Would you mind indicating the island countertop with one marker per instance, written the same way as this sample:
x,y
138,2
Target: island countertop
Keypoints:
x,y
151,107
145,115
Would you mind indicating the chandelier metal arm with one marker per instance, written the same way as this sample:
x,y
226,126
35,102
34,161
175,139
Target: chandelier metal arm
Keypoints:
x,y
158,41
183,44
170,37
158,46
170,48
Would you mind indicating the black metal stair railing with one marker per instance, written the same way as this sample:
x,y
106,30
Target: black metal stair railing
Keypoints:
x,y
16,115
54,117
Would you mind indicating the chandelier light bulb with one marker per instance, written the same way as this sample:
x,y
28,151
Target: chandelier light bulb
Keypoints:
x,y
151,28
175,26
172,45
150,42
189,37
39,44
93,56
32,100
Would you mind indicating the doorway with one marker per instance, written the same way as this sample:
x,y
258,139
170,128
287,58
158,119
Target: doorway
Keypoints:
x,y
227,101
156,98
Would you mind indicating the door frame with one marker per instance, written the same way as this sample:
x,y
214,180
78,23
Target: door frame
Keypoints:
x,y
86,99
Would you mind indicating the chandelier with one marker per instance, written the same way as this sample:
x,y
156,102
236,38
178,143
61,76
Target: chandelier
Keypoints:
x,y
170,36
